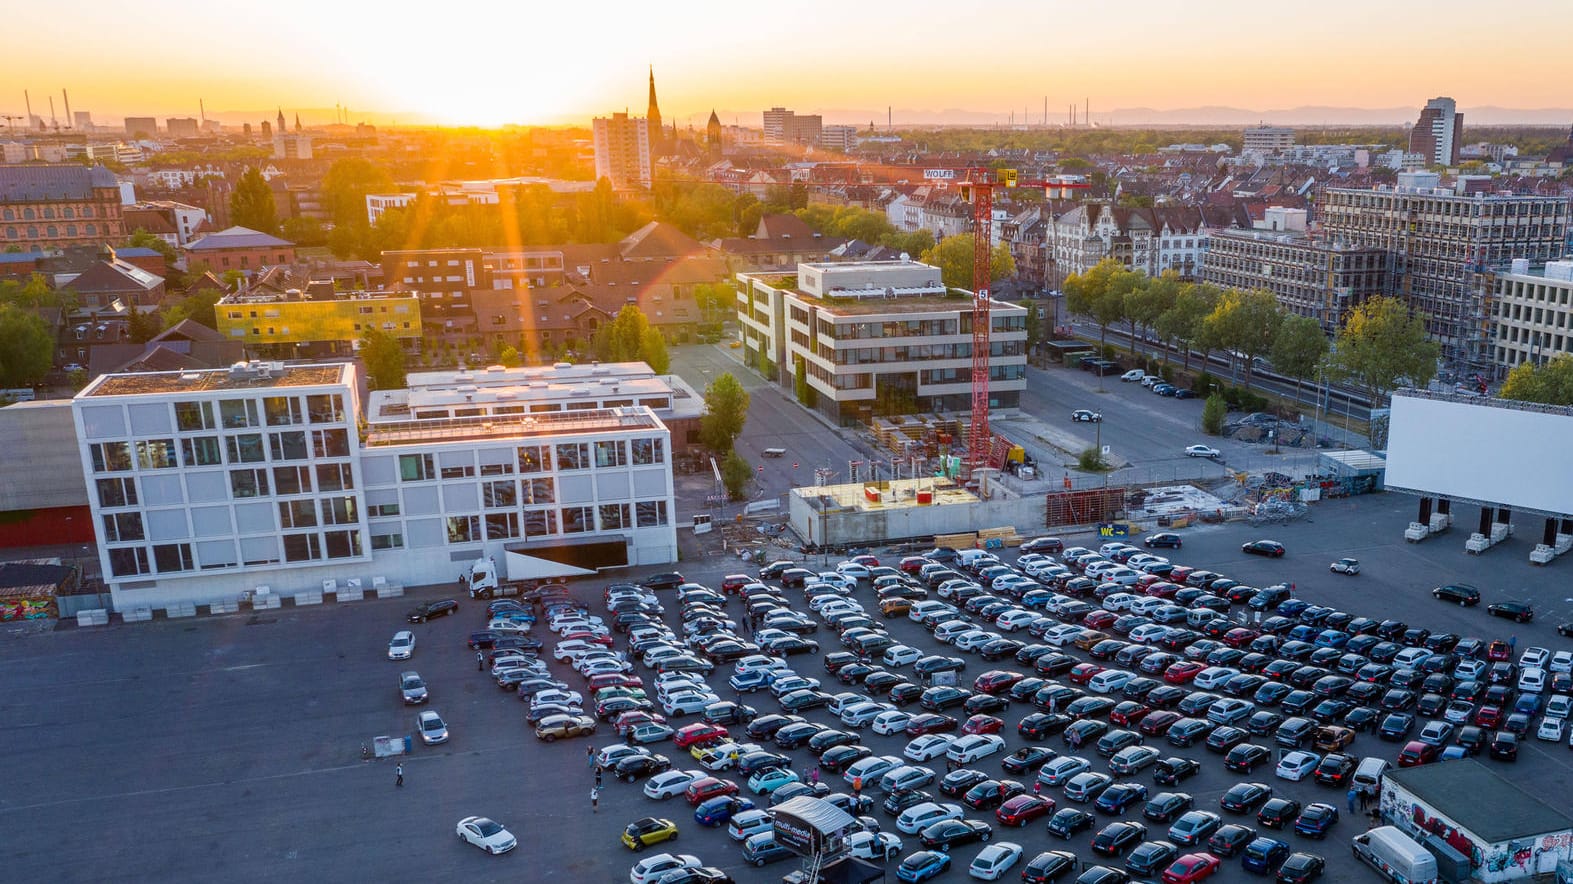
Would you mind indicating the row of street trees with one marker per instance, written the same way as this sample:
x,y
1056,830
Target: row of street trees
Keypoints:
x,y
1380,345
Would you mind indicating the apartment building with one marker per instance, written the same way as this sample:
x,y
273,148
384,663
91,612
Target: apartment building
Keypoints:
x,y
443,278
1151,241
783,126
268,321
622,151
1442,247
1268,139
1309,277
53,206
240,248
1533,312
208,484
1439,133
877,337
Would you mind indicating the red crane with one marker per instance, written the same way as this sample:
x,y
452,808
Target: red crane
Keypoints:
x,y
977,187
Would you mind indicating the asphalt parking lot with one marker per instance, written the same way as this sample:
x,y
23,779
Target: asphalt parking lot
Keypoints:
x,y
171,750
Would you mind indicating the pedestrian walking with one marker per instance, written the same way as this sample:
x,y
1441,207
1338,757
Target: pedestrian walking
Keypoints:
x,y
1512,643
1365,800
813,775
1037,788
480,661
598,778
589,755
398,775
1351,796
595,800
857,786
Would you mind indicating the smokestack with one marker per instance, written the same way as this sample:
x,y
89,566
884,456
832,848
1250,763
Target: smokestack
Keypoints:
x,y
890,118
27,98
202,111
53,121
68,106
1087,117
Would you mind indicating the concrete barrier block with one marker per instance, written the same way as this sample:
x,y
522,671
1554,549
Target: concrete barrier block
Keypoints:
x,y
223,607
390,591
92,617
346,594
266,601
181,609
137,615
308,598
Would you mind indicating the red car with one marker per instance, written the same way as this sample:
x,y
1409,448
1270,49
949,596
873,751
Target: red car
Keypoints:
x,y
1154,724
866,561
732,583
1499,650
996,681
705,788
1099,619
1181,572
1489,717
1023,809
630,720
698,733
594,638
930,723
1240,636
1191,868
1163,589
913,564
1082,673
1183,672
982,724
1416,753
614,680
1129,715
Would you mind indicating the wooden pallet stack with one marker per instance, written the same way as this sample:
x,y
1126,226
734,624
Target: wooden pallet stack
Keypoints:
x,y
1006,536
968,540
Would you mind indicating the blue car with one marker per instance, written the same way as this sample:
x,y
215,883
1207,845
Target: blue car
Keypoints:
x,y
923,865
1264,855
1316,820
749,681
713,812
1292,607
1332,638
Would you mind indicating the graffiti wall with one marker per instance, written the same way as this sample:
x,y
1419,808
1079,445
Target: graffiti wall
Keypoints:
x,y
1491,863
27,607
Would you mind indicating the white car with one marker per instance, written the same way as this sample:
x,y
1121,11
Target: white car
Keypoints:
x,y
1061,635
1132,759
402,645
1059,771
1142,561
749,823
486,834
1551,729
887,723
920,816
574,648
687,703
1134,374
838,580
901,655
1532,681
974,639
508,627
589,668
928,747
431,728
1010,621
878,846
862,714
972,747
758,661
654,868
994,860
1562,661
1534,658
670,783
853,571
1202,451
870,769
1295,766
561,698
1147,633
1115,602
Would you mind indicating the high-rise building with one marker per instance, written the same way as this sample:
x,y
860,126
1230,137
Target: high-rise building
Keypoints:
x,y
146,126
786,127
1439,134
182,127
1314,278
622,151
1269,139
1442,248
653,120
842,138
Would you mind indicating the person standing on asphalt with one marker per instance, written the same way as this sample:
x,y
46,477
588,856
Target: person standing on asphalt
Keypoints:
x,y
589,755
1351,796
598,778
398,774
480,661
595,800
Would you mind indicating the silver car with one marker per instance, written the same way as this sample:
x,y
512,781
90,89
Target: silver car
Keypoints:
x,y
412,687
431,728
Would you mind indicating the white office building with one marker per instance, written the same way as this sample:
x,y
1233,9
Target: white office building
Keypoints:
x,y
206,485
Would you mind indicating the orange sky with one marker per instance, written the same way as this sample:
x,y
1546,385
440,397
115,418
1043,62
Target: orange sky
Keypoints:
x,y
490,63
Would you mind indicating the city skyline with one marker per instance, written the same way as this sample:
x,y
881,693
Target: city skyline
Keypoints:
x,y
319,57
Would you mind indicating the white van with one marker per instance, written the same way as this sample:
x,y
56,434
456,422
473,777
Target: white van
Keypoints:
x,y
967,557
917,611
1369,774
1199,617
1396,855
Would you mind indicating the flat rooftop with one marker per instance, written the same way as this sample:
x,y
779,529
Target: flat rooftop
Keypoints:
x,y
1481,800
252,376
477,429
893,494
297,296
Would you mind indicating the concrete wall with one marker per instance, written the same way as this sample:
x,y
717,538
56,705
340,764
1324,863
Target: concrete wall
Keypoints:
x,y
860,528
42,465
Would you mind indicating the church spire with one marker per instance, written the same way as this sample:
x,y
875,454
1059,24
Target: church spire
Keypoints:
x,y
653,114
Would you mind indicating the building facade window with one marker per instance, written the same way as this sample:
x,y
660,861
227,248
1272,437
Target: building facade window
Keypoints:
x,y
540,522
335,477
122,527
248,483
116,492
495,495
330,443
302,547
342,544
297,514
573,456
416,467
173,557
292,480
464,529
111,457
502,526
540,491
156,454
339,511
578,519
647,451
128,561
614,517
245,448
651,513
201,451
610,453
193,416
288,446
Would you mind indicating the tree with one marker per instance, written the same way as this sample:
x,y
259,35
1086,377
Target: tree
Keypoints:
x,y
652,350
1034,325
1549,384
735,475
1381,344
305,231
1299,348
197,307
384,359
1213,413
344,191
1246,323
629,337
1099,294
251,205
1182,323
143,326
509,357
36,293
726,409
141,239
1146,302
953,256
26,349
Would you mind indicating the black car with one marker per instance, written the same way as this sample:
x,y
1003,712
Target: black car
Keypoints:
x,y
1118,837
946,834
1278,812
1043,724
957,782
639,766
1027,759
1396,727
901,799
1165,807
836,760
425,612
1504,746
904,693
703,875
1300,868
669,580
1520,612
1067,821
1462,593
1050,865
1163,539
1245,797
1269,548
1245,757
1229,840
1151,857
1170,771
765,726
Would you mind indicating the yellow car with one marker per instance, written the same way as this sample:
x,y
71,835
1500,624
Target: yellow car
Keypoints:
x,y
651,830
